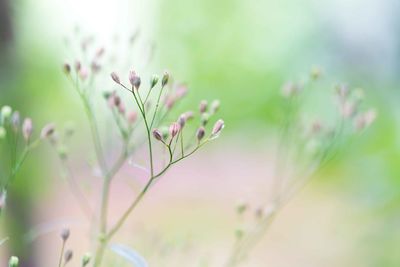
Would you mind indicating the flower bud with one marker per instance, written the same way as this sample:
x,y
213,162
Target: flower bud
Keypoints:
x,y
83,74
131,117
170,102
13,262
204,118
181,90
134,79
86,259
165,79
153,81
189,115
215,106
78,66
67,68
95,67
68,256
3,132
100,52
157,135
5,113
174,129
115,77
182,120
27,129
47,131
15,120
200,133
121,108
218,126
65,234
203,106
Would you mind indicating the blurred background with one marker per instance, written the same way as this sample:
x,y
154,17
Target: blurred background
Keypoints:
x,y
240,52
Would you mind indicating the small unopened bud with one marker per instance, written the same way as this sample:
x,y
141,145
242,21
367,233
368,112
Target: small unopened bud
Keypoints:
x,y
115,78
205,117
5,113
65,233
189,115
15,120
13,262
315,73
131,117
170,102
174,129
47,131
348,109
241,207
182,120
200,133
215,106
68,256
157,135
181,90
134,79
95,67
3,132
100,52
165,132
67,68
116,100
121,108
78,66
86,259
153,81
218,126
203,106
27,129
165,79
83,74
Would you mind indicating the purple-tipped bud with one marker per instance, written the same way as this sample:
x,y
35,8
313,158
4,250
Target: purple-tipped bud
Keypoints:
x,y
65,234
47,131
218,126
157,135
200,133
27,129
165,79
117,100
67,68
174,129
182,120
153,81
115,78
15,120
203,106
68,256
131,117
134,79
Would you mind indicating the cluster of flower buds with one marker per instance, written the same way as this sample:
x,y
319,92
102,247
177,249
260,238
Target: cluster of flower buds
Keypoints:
x,y
350,102
11,122
68,254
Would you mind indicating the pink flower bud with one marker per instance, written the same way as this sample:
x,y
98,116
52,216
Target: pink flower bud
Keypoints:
x,y
203,106
189,115
121,108
157,134
181,90
115,77
218,126
47,131
131,117
83,74
27,129
134,79
200,133
78,66
170,102
174,129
